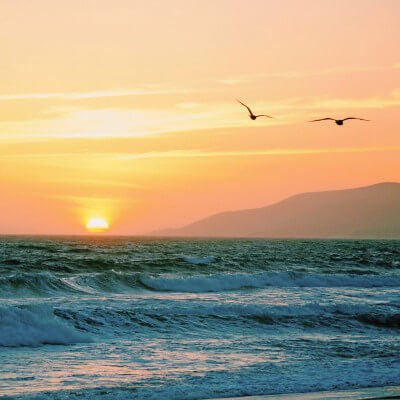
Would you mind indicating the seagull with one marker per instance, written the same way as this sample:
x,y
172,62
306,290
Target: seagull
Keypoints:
x,y
338,121
252,116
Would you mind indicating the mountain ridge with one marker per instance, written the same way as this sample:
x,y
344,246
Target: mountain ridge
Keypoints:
x,y
371,211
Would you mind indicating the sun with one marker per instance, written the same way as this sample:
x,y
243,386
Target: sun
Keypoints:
x,y
96,224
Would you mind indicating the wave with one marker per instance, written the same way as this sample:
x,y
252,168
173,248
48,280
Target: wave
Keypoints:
x,y
361,378
35,326
178,316
34,284
47,284
11,261
227,282
199,260
380,321
41,324
110,281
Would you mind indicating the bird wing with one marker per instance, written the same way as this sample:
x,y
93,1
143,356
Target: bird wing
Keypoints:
x,y
263,115
251,112
323,119
361,119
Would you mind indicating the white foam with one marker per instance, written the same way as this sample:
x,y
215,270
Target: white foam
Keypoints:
x,y
253,381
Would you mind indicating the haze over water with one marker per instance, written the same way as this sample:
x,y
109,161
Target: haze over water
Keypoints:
x,y
120,318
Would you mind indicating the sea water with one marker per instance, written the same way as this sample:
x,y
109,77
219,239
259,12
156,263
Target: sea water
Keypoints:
x,y
129,318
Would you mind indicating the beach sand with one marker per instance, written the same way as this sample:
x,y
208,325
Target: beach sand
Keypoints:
x,y
386,392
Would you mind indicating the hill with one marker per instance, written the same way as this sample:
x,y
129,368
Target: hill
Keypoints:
x,y
365,212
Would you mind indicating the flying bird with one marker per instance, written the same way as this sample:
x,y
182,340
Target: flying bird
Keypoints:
x,y
251,115
338,121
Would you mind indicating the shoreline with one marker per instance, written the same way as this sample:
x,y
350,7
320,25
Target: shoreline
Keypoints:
x,y
371,393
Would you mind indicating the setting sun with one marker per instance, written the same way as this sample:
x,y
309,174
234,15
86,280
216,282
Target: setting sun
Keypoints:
x,y
96,224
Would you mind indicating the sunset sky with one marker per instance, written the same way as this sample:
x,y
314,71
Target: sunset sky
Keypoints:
x,y
126,109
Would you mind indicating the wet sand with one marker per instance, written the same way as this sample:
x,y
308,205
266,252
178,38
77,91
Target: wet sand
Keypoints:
x,y
386,392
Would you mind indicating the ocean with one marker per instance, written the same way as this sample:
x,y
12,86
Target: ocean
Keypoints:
x,y
129,318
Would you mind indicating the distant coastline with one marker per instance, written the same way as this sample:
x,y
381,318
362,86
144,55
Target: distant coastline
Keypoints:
x,y
369,212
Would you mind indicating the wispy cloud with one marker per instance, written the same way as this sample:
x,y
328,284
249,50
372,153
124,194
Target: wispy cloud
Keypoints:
x,y
243,79
88,200
187,116
88,95
392,100
199,153
255,153
94,182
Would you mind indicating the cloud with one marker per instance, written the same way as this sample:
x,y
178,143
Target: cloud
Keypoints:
x,y
95,182
265,152
367,103
78,123
244,79
87,95
86,200
252,153
195,153
188,105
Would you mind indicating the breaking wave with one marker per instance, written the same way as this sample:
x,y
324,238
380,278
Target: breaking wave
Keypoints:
x,y
47,284
34,284
170,316
199,260
35,326
226,282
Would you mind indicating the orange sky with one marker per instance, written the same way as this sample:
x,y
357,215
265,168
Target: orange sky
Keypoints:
x,y
126,109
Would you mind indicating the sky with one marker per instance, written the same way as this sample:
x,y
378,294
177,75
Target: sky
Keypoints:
x,y
125,110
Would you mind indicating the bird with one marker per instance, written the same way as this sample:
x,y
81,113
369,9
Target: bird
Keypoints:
x,y
338,121
251,115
